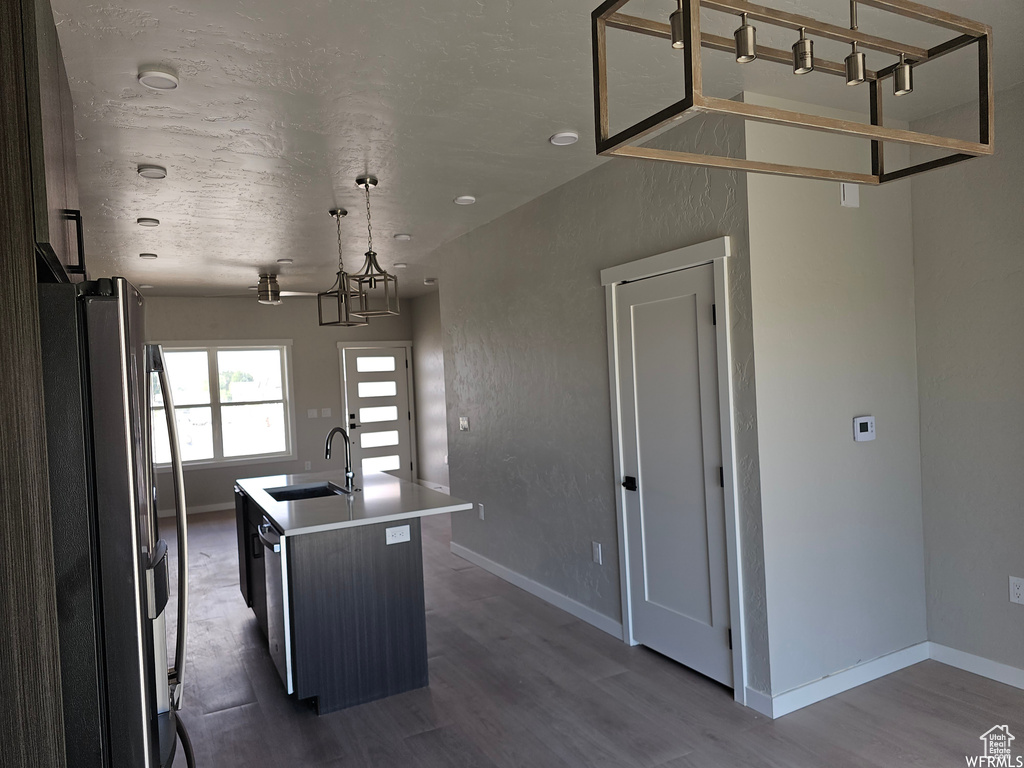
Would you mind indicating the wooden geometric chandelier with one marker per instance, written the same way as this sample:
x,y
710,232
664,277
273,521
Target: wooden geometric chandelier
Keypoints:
x,y
689,38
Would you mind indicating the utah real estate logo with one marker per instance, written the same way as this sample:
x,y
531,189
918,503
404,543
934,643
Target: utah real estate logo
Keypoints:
x,y
998,753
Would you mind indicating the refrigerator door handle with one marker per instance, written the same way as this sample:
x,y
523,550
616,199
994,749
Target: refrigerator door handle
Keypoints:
x,y
176,675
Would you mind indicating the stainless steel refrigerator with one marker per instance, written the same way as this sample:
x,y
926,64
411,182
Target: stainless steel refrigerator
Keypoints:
x,y
120,694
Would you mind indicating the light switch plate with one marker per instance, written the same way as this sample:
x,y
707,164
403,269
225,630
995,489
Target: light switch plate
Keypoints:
x,y
598,557
325,413
311,413
396,535
463,423
849,195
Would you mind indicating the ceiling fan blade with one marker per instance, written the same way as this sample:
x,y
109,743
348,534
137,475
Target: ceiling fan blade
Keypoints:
x,y
297,293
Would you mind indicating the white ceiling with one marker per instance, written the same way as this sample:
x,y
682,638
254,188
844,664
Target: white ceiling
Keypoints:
x,y
281,105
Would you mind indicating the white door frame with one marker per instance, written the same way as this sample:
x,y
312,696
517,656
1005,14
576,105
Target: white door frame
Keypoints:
x,y
342,346
714,252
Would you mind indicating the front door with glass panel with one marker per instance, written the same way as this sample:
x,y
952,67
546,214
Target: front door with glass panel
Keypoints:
x,y
376,390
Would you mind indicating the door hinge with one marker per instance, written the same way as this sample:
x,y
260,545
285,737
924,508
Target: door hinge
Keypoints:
x,y
410,466
714,314
721,476
407,364
410,415
730,638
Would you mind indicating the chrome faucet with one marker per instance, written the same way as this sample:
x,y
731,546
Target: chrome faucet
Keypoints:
x,y
348,455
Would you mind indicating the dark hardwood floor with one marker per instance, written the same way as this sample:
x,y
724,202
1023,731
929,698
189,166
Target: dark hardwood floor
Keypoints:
x,y
516,682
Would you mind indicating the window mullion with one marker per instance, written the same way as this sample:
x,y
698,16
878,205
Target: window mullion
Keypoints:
x,y
218,439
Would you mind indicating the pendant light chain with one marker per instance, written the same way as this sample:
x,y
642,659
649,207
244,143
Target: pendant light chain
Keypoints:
x,y
341,266
369,226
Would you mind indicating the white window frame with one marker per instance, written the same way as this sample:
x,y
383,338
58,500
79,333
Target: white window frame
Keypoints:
x,y
212,348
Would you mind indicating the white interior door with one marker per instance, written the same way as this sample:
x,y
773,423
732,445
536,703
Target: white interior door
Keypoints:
x,y
376,384
671,444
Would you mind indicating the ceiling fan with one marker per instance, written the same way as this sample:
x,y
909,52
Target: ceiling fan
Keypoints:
x,y
268,291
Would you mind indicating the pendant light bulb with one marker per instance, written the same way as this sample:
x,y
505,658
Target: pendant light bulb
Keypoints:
x,y
856,67
803,54
675,21
856,62
903,77
746,41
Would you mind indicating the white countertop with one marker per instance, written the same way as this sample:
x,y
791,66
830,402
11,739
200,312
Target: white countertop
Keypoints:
x,y
383,498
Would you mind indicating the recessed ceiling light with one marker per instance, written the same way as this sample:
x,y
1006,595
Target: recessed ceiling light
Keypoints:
x,y
285,261
147,255
464,200
145,286
403,237
144,222
430,281
400,265
158,80
564,138
152,172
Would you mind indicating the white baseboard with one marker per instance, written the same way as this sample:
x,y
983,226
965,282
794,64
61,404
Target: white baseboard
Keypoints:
x,y
434,486
993,670
193,510
811,693
759,702
557,599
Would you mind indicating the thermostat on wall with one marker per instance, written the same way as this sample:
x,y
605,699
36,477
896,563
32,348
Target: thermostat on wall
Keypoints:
x,y
864,428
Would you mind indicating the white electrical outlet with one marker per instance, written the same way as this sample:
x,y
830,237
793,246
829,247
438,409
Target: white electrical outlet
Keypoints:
x,y
311,413
481,511
325,413
1017,590
309,465
397,534
463,423
597,553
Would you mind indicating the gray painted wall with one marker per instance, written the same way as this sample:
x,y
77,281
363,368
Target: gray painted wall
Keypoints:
x,y
525,350
968,248
316,374
428,379
834,330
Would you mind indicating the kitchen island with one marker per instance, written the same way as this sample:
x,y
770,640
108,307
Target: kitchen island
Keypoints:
x,y
336,581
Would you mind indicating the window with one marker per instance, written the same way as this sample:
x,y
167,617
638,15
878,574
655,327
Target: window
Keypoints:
x,y
231,403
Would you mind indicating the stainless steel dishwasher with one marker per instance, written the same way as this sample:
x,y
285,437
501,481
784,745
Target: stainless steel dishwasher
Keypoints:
x,y
279,634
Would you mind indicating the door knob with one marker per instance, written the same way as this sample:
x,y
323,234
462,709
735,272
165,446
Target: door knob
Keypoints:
x,y
629,483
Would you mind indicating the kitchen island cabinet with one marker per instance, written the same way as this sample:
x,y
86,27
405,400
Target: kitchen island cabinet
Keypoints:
x,y
339,582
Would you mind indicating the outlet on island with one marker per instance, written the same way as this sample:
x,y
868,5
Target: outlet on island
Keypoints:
x,y
396,535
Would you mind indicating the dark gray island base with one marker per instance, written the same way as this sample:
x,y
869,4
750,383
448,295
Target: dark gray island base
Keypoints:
x,y
342,608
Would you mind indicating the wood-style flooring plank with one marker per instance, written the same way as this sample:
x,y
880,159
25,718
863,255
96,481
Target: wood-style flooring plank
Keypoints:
x,y
518,683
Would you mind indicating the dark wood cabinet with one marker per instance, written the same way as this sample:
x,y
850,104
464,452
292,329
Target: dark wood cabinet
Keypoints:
x,y
252,577
51,132
350,604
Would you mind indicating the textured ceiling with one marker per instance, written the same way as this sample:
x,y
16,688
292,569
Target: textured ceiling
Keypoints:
x,y
282,105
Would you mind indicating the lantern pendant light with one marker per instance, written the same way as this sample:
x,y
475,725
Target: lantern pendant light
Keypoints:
x,y
379,288
337,305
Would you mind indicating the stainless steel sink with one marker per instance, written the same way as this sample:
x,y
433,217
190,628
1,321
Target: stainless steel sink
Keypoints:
x,y
305,491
